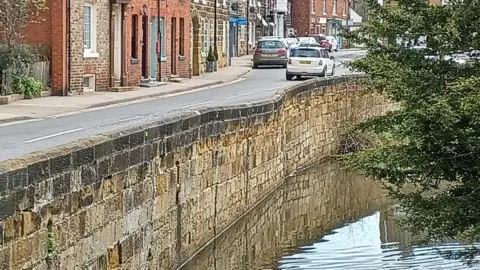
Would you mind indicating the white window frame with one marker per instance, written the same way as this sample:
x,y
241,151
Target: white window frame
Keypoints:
x,y
92,83
334,7
312,4
242,33
324,7
92,51
345,4
203,37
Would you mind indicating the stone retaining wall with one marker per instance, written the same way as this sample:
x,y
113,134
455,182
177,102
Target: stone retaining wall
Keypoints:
x,y
149,197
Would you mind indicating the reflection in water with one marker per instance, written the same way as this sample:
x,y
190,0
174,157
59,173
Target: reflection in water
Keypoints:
x,y
298,213
290,230
373,242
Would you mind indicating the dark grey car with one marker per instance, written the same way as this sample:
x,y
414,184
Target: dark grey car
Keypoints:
x,y
270,52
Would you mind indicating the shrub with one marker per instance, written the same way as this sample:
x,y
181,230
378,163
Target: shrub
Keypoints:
x,y
28,86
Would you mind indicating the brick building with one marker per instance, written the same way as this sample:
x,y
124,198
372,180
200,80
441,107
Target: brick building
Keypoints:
x,y
320,17
78,64
103,45
202,33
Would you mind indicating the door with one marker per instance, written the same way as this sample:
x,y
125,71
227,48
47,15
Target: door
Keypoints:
x,y
153,47
144,46
117,45
173,47
233,39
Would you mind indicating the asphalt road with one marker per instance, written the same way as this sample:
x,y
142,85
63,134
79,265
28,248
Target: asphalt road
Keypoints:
x,y
23,138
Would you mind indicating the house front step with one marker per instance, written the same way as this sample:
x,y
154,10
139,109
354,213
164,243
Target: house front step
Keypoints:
x,y
176,79
151,84
121,88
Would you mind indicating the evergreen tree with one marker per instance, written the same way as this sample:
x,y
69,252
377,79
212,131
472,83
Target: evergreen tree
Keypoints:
x,y
434,136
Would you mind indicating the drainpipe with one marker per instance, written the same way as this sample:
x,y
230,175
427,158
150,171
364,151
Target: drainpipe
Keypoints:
x,y
248,26
159,54
215,26
68,64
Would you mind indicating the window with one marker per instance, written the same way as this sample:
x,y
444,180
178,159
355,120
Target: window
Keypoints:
x,y
334,7
242,33
314,53
324,7
134,41
251,28
345,4
312,5
89,31
89,83
181,40
271,44
163,43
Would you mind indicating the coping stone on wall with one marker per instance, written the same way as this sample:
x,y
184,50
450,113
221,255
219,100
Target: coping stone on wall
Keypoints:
x,y
23,173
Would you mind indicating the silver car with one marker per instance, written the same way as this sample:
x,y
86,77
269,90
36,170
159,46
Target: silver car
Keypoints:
x,y
271,52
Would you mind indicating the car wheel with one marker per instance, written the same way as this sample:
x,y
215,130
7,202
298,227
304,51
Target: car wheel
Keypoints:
x,y
284,65
336,50
330,49
299,77
333,71
288,77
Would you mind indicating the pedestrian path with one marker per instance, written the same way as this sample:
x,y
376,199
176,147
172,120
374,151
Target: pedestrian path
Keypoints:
x,y
53,106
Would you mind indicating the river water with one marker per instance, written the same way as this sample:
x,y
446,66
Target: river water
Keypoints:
x,y
323,218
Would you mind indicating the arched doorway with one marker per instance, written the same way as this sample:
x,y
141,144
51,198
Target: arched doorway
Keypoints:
x,y
195,43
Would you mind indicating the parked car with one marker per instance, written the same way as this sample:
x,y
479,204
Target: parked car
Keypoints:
x,y
270,52
310,61
333,43
291,41
322,40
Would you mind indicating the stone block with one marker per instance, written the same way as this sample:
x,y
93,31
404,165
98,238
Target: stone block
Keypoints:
x,y
84,156
104,168
39,172
103,149
61,185
18,178
113,257
122,143
125,249
89,175
136,156
30,222
60,164
119,162
25,198
137,138
7,206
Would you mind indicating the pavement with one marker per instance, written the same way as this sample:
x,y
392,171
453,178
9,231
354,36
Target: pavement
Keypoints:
x,y
38,124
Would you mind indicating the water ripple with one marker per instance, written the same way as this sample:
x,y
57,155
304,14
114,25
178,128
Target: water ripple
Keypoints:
x,y
366,245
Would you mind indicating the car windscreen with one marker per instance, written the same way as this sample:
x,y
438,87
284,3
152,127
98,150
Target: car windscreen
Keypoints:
x,y
270,44
305,52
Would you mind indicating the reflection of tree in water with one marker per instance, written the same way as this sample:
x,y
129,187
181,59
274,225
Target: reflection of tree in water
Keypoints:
x,y
394,236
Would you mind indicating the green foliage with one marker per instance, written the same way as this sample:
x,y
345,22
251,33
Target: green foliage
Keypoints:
x,y
434,136
211,55
27,86
11,55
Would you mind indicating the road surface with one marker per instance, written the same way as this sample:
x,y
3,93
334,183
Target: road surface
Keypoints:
x,y
23,138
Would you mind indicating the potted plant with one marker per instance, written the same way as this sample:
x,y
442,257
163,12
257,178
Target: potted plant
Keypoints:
x,y
215,54
210,60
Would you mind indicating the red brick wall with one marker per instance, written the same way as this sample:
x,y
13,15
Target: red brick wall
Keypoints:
x,y
301,16
178,9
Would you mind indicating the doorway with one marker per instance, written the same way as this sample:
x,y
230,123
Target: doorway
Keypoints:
x,y
153,48
233,39
173,46
117,46
144,46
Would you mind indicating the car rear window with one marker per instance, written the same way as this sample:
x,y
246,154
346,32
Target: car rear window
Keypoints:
x,y
301,52
270,44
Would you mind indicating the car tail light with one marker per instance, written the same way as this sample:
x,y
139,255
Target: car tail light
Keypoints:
x,y
290,61
281,51
320,62
258,51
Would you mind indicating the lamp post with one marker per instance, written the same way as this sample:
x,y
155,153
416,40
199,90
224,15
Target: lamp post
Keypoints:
x,y
215,27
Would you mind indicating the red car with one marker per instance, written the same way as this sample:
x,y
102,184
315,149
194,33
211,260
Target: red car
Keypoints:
x,y
322,40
